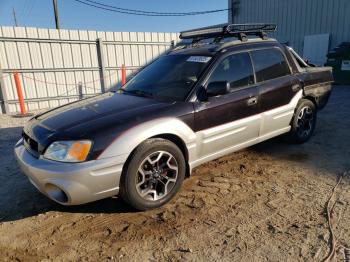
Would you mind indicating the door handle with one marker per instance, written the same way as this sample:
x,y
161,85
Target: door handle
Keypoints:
x,y
252,101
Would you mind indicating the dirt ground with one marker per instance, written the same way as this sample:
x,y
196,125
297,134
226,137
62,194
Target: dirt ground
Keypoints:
x,y
265,203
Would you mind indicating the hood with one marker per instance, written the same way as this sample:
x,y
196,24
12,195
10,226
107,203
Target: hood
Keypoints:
x,y
101,119
116,106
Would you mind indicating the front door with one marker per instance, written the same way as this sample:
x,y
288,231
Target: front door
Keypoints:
x,y
227,121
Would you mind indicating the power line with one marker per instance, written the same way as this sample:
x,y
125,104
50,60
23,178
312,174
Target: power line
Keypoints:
x,y
24,8
151,12
33,2
141,12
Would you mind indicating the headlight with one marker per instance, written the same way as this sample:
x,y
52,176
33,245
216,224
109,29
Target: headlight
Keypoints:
x,y
68,151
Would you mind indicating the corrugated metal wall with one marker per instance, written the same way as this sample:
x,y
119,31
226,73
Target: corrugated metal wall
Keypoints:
x,y
297,18
60,66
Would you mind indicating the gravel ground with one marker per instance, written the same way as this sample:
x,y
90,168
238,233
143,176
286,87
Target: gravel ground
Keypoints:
x,y
265,203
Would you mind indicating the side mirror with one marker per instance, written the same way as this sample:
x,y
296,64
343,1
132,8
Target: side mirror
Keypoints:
x,y
218,88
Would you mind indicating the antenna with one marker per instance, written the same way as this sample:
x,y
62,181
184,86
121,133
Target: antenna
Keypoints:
x,y
57,18
14,16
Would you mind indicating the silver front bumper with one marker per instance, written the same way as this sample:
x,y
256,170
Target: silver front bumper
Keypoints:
x,y
72,183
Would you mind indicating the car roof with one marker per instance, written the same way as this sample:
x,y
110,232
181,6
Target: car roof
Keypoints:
x,y
210,49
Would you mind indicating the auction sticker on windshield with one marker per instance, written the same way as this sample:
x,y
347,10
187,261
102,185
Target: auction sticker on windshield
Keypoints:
x,y
199,59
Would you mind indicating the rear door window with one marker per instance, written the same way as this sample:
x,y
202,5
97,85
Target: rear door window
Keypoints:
x,y
269,64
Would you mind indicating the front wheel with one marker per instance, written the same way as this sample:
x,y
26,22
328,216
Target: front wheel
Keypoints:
x,y
303,123
153,175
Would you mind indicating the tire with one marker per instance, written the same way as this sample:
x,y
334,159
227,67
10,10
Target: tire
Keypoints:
x,y
153,174
303,122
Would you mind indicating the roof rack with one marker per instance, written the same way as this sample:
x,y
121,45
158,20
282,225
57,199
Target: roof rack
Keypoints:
x,y
227,30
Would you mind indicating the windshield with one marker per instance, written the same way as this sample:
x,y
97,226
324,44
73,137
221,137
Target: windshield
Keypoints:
x,y
168,78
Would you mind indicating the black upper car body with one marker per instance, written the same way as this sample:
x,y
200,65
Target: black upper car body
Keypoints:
x,y
228,91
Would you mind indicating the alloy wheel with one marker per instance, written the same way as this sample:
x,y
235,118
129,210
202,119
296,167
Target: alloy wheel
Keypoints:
x,y
157,175
305,122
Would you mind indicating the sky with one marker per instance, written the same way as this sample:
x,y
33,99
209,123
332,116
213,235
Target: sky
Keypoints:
x,y
74,15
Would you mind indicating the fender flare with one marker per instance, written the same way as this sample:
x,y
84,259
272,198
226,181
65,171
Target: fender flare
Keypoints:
x,y
127,141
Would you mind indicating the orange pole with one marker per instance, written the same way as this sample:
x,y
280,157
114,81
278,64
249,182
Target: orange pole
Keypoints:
x,y
19,93
123,75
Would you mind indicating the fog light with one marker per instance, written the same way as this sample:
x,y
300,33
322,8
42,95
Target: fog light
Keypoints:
x,y
56,193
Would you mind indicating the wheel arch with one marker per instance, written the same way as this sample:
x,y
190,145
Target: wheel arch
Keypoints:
x,y
166,136
171,129
128,191
180,144
312,99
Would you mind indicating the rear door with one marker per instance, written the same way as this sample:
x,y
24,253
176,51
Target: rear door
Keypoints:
x,y
279,90
229,120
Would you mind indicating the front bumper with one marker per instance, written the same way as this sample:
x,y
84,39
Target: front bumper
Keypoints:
x,y
72,183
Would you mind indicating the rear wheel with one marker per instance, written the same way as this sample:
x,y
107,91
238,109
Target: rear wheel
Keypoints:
x,y
153,174
304,122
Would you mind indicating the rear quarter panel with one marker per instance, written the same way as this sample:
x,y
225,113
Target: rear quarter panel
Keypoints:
x,y
317,84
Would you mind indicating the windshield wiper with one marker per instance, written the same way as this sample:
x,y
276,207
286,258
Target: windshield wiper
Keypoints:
x,y
138,93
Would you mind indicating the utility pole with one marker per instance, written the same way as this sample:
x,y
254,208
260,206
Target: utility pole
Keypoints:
x,y
14,16
230,6
57,18
233,10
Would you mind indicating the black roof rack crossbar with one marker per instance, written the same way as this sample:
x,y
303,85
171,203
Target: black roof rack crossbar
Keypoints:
x,y
250,28
226,30
205,32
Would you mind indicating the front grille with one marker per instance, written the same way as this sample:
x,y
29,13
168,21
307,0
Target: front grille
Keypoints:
x,y
30,144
